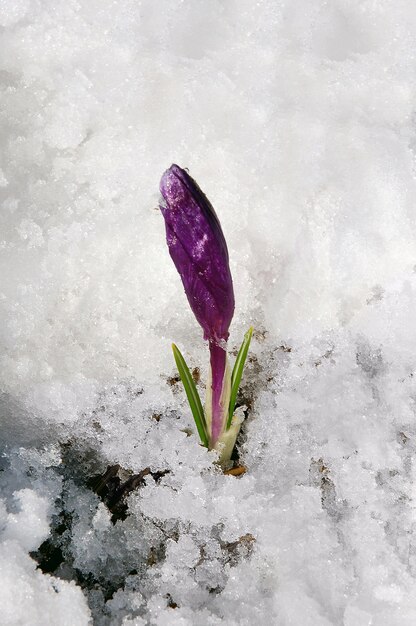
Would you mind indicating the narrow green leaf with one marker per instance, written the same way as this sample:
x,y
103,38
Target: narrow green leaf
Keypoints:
x,y
192,395
238,372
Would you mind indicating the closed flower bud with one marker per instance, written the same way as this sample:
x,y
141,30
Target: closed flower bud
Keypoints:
x,y
198,249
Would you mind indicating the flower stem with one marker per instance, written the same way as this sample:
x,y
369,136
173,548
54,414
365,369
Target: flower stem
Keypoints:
x,y
220,390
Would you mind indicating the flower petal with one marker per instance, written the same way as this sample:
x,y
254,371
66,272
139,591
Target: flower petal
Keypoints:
x,y
198,249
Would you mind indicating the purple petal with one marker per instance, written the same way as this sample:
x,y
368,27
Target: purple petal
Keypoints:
x,y
198,249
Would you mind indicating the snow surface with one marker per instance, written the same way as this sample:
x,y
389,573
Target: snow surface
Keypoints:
x,y
298,120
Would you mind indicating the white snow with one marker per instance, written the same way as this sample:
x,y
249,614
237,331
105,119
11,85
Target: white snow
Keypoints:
x,y
298,121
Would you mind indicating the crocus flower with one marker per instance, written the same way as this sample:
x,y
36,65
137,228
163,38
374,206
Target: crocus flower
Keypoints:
x,y
198,249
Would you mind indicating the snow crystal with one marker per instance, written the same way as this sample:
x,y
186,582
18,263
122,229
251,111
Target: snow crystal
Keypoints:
x,y
297,120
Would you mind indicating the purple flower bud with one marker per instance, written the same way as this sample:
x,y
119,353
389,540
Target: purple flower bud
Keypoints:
x,y
198,249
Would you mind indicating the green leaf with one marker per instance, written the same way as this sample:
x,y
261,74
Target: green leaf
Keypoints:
x,y
192,395
238,372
